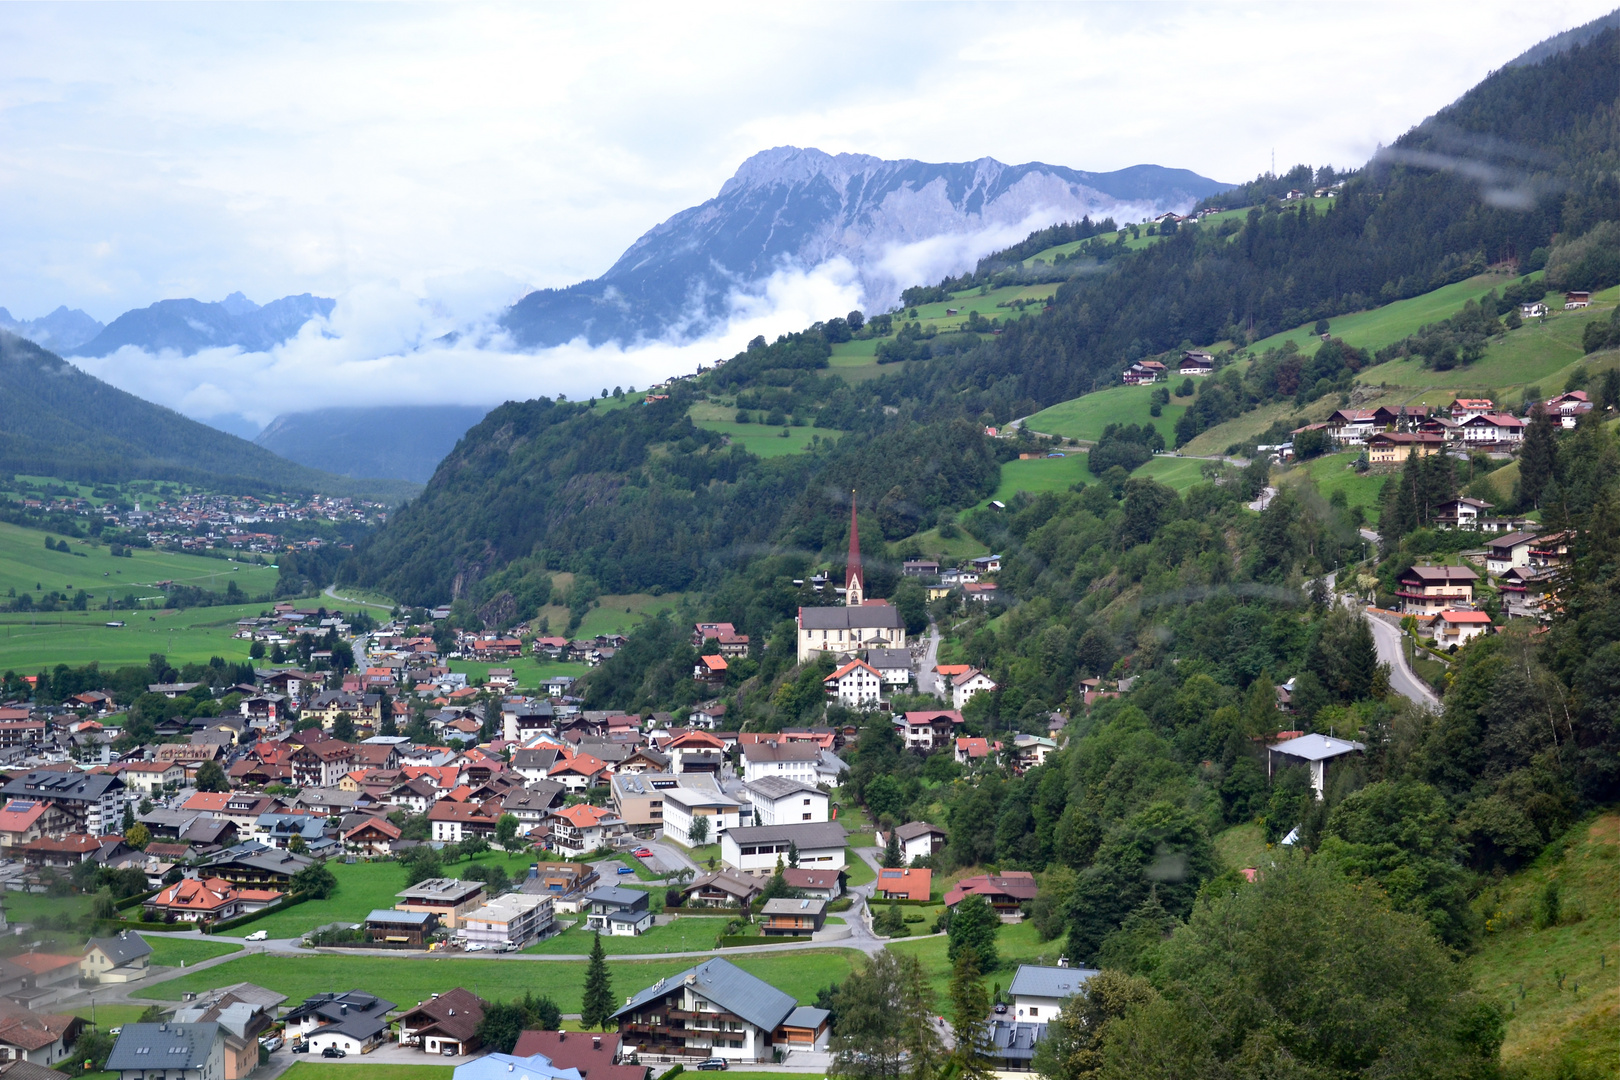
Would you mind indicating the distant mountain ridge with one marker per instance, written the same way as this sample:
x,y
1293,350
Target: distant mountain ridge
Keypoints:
x,y
63,329
801,207
190,326
402,442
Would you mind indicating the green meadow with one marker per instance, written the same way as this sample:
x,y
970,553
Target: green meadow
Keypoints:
x,y
30,641
1332,472
26,566
1084,418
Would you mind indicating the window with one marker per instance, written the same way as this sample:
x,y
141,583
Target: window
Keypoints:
x,y
1033,1011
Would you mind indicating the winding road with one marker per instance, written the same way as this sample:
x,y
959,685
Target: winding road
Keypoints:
x,y
1402,679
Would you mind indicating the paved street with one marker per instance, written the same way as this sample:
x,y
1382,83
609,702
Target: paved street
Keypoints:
x,y
1402,679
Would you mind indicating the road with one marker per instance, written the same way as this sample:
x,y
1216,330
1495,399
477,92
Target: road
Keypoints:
x,y
1402,679
927,680
1266,495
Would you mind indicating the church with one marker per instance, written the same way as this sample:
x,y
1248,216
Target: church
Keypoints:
x,y
860,624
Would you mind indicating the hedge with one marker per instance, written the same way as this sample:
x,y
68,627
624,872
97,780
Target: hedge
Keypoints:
x,y
138,899
702,911
254,916
878,902
673,1073
733,941
153,927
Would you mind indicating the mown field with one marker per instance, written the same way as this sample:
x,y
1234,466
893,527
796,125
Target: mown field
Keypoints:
x,y
685,934
30,641
26,566
1085,417
175,951
404,979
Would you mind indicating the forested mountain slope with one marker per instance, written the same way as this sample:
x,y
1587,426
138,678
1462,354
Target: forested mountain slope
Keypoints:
x,y
59,421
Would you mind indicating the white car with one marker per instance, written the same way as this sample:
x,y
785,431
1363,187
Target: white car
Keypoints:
x,y
259,935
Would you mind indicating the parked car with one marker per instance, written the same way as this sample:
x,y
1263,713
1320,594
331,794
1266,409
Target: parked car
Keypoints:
x,y
475,948
300,1047
627,869
643,853
271,1042
334,1051
714,1064
258,935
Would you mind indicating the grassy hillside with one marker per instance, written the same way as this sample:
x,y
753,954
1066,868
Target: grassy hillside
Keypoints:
x,y
30,641
1332,472
26,566
1558,978
1085,417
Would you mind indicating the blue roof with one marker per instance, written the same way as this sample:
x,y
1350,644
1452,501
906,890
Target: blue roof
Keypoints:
x,y
512,1067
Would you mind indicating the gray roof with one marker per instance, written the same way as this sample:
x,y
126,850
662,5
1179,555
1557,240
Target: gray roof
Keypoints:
x,y
875,617
121,948
1049,982
806,1016
889,658
728,986
787,906
67,786
913,829
779,787
1014,1041
806,834
440,890
157,1047
400,918
781,751
612,894
1317,747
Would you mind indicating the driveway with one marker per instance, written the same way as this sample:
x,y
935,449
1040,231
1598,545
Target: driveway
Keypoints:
x,y
1402,679
927,679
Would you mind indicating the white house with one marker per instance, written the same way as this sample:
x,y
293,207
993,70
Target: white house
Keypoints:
x,y
893,664
684,805
617,912
1505,552
793,760
1038,992
970,682
820,846
511,920
581,828
856,685
1492,428
928,730
1458,627
1313,751
918,839
778,800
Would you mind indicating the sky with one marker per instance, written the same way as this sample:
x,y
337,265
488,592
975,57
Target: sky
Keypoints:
x,y
437,161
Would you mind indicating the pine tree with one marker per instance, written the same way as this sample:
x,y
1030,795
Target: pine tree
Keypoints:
x,y
970,1014
892,855
1538,459
596,1007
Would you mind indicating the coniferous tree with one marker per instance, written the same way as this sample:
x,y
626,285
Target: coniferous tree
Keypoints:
x,y
1538,458
970,1013
596,1006
892,855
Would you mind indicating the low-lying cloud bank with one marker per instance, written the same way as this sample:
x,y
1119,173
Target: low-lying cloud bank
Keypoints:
x,y
385,344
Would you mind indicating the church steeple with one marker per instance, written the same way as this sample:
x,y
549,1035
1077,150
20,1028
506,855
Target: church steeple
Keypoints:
x,y
854,577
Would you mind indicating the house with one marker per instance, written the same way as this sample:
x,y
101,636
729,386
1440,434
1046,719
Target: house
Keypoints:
x,y
152,777
353,1021
91,803
928,730
721,888
683,806
856,685
1503,553
1350,427
22,821
725,1012
1427,589
847,631
256,865
1313,751
1537,310
581,828
243,1012
48,978
35,1040
1143,372
1030,751
792,760
820,845
1461,513
970,682
579,772
390,926
565,882
1492,428
918,840
448,899
207,900
59,853
172,1051
638,798
1568,408
591,1054
445,1025
904,883
1007,892
920,568
981,592
511,921
987,564
1196,363
373,836
784,917
893,664
695,752
617,912
822,884
1458,627
1394,447
1576,299
779,800
970,749
1038,992
710,669
122,958
1012,1044
453,821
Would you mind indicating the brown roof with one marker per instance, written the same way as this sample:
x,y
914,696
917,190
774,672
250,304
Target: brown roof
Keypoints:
x,y
591,1054
455,1013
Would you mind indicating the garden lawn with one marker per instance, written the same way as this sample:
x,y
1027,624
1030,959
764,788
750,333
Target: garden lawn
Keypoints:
x,y
960,546
800,974
26,907
111,1016
1042,474
1332,472
1085,417
685,934
30,641
1241,846
859,871
367,1070
1017,943
173,951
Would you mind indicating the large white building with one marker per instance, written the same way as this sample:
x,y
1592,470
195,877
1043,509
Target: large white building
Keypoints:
x,y
755,851
511,920
848,631
683,805
856,685
792,760
779,800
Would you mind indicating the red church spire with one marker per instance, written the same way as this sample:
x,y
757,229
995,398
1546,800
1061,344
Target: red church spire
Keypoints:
x,y
854,586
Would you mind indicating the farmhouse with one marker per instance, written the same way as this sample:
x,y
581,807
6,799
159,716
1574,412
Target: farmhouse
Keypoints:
x,y
928,730
918,839
1425,590
856,685
1196,363
1458,627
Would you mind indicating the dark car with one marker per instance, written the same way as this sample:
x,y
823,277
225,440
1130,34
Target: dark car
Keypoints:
x,y
714,1064
334,1051
300,1047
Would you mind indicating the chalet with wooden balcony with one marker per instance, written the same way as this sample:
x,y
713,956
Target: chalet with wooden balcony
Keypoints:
x,y
717,1010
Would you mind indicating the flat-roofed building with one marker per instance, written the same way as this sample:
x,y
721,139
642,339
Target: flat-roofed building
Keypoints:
x,y
447,898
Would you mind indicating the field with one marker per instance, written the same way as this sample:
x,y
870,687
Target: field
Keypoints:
x,y
1017,943
1332,472
799,973
1240,846
26,907
1560,984
1174,472
1380,326
960,546
685,934
1085,417
26,566
1042,474
768,442
363,887
32,640
173,951
529,671
613,614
